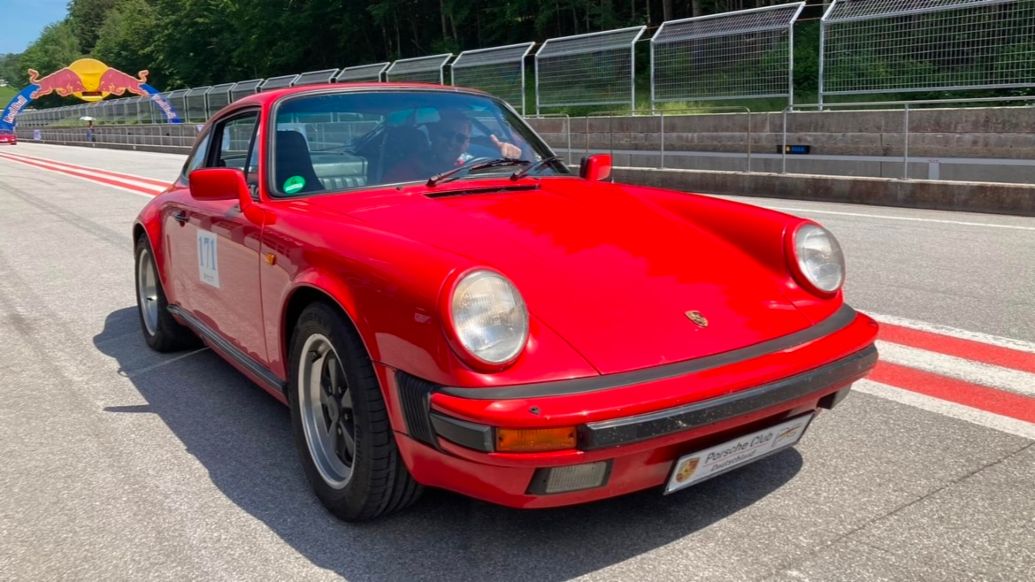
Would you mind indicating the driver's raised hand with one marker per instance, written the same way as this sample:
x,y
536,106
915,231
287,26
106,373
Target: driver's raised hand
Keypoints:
x,y
507,150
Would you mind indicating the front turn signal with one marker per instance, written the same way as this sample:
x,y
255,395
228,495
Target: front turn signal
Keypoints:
x,y
528,440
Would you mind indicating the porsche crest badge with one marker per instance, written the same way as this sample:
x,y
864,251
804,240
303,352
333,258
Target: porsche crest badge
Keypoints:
x,y
697,318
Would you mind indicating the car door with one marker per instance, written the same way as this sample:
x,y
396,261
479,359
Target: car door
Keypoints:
x,y
217,248
179,245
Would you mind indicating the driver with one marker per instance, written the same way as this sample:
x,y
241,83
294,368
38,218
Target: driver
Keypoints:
x,y
449,140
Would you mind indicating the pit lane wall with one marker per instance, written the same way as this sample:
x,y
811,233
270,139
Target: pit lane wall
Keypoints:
x,y
983,159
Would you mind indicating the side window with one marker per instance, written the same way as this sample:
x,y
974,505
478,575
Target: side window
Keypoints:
x,y
198,158
235,139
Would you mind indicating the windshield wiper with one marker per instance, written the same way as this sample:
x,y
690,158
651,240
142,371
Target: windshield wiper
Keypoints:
x,y
475,164
517,175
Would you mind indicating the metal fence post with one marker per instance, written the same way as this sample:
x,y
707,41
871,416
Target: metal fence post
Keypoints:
x,y
611,135
749,135
662,140
905,145
587,135
783,154
822,44
567,125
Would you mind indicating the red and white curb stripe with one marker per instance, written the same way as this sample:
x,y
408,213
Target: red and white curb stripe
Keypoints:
x,y
979,378
127,182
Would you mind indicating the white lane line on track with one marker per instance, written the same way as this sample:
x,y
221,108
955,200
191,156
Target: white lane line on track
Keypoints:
x,y
1003,342
902,218
173,360
958,368
946,408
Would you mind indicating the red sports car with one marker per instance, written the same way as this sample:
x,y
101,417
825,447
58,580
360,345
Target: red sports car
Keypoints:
x,y
7,136
442,303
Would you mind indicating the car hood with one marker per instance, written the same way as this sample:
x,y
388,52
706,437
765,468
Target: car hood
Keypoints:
x,y
615,276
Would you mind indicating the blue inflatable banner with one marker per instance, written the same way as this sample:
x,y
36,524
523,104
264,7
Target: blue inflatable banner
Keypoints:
x,y
15,107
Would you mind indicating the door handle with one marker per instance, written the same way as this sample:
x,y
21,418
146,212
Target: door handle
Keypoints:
x,y
181,217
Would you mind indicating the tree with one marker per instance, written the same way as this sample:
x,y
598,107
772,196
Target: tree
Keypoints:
x,y
56,47
127,39
86,18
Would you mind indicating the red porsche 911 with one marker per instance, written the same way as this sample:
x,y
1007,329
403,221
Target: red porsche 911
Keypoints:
x,y
441,302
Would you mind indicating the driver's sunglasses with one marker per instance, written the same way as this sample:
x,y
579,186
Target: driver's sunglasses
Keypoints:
x,y
453,136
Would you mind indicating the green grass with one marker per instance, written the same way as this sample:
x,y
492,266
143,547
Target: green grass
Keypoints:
x,y
6,94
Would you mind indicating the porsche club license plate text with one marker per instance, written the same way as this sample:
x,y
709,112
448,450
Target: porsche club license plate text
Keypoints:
x,y
697,467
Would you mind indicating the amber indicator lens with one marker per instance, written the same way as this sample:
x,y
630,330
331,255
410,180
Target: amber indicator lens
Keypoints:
x,y
525,440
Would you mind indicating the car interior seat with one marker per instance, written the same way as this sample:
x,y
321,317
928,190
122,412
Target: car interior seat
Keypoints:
x,y
292,159
400,144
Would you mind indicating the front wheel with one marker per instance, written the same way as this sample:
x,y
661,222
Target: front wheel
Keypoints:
x,y
161,331
341,426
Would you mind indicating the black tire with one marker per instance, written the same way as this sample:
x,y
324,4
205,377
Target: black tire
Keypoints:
x,y
164,334
373,480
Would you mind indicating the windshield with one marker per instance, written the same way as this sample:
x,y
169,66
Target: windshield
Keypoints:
x,y
339,141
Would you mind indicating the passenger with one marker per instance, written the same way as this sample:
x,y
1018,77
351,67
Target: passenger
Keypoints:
x,y
449,140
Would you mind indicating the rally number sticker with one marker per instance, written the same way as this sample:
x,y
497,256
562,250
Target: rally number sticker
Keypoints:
x,y
208,258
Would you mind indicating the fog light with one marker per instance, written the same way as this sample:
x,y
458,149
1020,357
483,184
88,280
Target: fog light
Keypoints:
x,y
573,478
526,440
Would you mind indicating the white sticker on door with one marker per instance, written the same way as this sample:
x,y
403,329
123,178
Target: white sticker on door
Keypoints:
x,y
208,258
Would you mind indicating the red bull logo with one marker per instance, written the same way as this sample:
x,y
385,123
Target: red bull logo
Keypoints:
x,y
116,82
89,80
63,81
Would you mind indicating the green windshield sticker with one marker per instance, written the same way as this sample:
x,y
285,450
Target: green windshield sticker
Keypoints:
x,y
294,184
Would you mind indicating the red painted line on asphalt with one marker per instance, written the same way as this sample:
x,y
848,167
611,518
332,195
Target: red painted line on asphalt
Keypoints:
x,y
88,177
961,348
958,391
113,174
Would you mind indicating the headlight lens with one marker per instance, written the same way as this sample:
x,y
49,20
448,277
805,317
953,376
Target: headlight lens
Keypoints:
x,y
819,257
489,317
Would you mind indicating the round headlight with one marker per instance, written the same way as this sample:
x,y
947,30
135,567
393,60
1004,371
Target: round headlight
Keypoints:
x,y
489,317
819,257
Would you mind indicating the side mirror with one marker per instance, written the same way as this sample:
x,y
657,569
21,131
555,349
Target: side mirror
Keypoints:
x,y
596,167
218,184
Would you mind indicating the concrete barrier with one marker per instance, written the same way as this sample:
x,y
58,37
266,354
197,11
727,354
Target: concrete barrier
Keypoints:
x,y
119,146
928,194
1005,132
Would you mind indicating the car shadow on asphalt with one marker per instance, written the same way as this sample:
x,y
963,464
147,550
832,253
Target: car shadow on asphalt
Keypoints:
x,y
242,436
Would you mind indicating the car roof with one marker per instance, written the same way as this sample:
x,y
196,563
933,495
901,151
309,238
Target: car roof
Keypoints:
x,y
269,97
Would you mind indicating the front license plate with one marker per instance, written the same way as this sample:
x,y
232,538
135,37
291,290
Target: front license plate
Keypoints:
x,y
697,467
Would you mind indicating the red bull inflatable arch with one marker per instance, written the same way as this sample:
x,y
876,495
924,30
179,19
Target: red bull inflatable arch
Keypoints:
x,y
89,80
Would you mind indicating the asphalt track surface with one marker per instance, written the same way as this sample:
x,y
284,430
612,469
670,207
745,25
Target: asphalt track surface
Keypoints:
x,y
118,463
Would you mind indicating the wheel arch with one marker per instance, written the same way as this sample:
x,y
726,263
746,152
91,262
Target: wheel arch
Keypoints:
x,y
301,297
151,231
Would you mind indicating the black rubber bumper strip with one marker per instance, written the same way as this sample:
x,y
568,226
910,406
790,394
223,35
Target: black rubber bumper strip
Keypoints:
x,y
220,344
622,431
839,320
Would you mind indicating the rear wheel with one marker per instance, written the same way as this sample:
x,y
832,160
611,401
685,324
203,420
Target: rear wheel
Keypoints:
x,y
161,331
341,427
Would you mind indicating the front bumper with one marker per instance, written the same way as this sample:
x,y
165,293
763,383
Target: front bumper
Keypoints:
x,y
638,423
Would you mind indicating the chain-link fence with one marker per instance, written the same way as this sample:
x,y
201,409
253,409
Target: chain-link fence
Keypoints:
x,y
587,69
373,72
245,88
277,82
218,97
316,77
896,48
420,70
900,46
735,55
499,70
